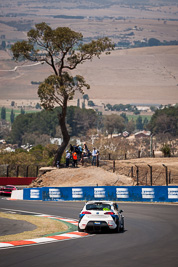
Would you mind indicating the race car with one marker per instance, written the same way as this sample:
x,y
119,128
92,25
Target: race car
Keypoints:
x,y
7,190
99,216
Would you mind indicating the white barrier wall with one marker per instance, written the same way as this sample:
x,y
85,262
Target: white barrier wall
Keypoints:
x,y
17,194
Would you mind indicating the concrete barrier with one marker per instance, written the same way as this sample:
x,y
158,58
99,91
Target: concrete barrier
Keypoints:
x,y
115,193
17,194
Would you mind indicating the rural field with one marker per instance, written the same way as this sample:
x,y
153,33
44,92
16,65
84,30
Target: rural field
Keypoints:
x,y
137,76
147,75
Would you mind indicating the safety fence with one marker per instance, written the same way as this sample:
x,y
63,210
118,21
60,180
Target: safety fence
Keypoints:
x,y
19,170
112,193
143,174
125,155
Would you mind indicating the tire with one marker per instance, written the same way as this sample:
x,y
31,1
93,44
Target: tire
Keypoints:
x,y
122,226
117,229
79,229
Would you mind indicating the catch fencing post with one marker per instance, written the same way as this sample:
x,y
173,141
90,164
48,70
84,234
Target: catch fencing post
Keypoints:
x,y
150,174
137,172
132,171
97,160
114,165
166,172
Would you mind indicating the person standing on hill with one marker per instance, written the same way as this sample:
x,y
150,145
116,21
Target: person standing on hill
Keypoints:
x,y
71,148
74,156
94,156
67,158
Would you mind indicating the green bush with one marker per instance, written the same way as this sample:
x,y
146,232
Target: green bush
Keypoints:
x,y
166,150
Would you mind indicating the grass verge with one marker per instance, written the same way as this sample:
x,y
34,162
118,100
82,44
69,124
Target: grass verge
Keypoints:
x,y
45,226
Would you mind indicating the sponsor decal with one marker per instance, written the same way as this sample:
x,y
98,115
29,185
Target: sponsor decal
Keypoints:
x,y
77,193
99,192
34,193
122,193
173,193
148,193
54,193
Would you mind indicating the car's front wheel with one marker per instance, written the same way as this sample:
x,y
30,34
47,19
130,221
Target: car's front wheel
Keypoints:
x,y
117,229
122,226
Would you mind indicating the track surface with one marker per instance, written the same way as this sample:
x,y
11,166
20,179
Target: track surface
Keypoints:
x,y
150,239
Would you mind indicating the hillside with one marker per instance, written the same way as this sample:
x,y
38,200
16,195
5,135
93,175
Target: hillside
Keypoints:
x,y
104,176
81,176
139,75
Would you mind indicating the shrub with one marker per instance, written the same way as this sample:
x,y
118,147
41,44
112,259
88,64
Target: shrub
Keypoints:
x,y
166,150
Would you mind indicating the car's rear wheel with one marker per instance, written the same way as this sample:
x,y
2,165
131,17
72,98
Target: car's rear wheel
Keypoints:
x,y
80,230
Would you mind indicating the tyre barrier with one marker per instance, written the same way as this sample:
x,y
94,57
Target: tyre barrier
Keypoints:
x,y
113,193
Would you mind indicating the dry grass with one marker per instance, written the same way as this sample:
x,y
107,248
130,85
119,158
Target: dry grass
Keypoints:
x,y
82,176
44,226
123,167
144,75
141,75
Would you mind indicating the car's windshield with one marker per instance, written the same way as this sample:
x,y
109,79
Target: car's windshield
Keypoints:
x,y
98,206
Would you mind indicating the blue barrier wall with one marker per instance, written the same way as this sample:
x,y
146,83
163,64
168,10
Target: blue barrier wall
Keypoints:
x,y
115,193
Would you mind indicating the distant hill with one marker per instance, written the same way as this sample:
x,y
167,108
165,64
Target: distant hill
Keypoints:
x,y
140,75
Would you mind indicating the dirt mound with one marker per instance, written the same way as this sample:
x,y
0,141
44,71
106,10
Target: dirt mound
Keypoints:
x,y
80,176
104,176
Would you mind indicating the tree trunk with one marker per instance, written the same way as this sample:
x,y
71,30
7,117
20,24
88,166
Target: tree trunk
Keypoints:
x,y
65,134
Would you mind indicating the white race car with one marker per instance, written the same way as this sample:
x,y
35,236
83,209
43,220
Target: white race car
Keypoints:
x,y
100,215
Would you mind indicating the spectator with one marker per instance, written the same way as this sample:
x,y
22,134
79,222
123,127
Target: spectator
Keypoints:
x,y
74,156
67,158
80,151
71,148
57,164
94,155
85,150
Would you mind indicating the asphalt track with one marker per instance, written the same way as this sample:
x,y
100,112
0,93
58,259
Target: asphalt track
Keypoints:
x,y
11,227
150,239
